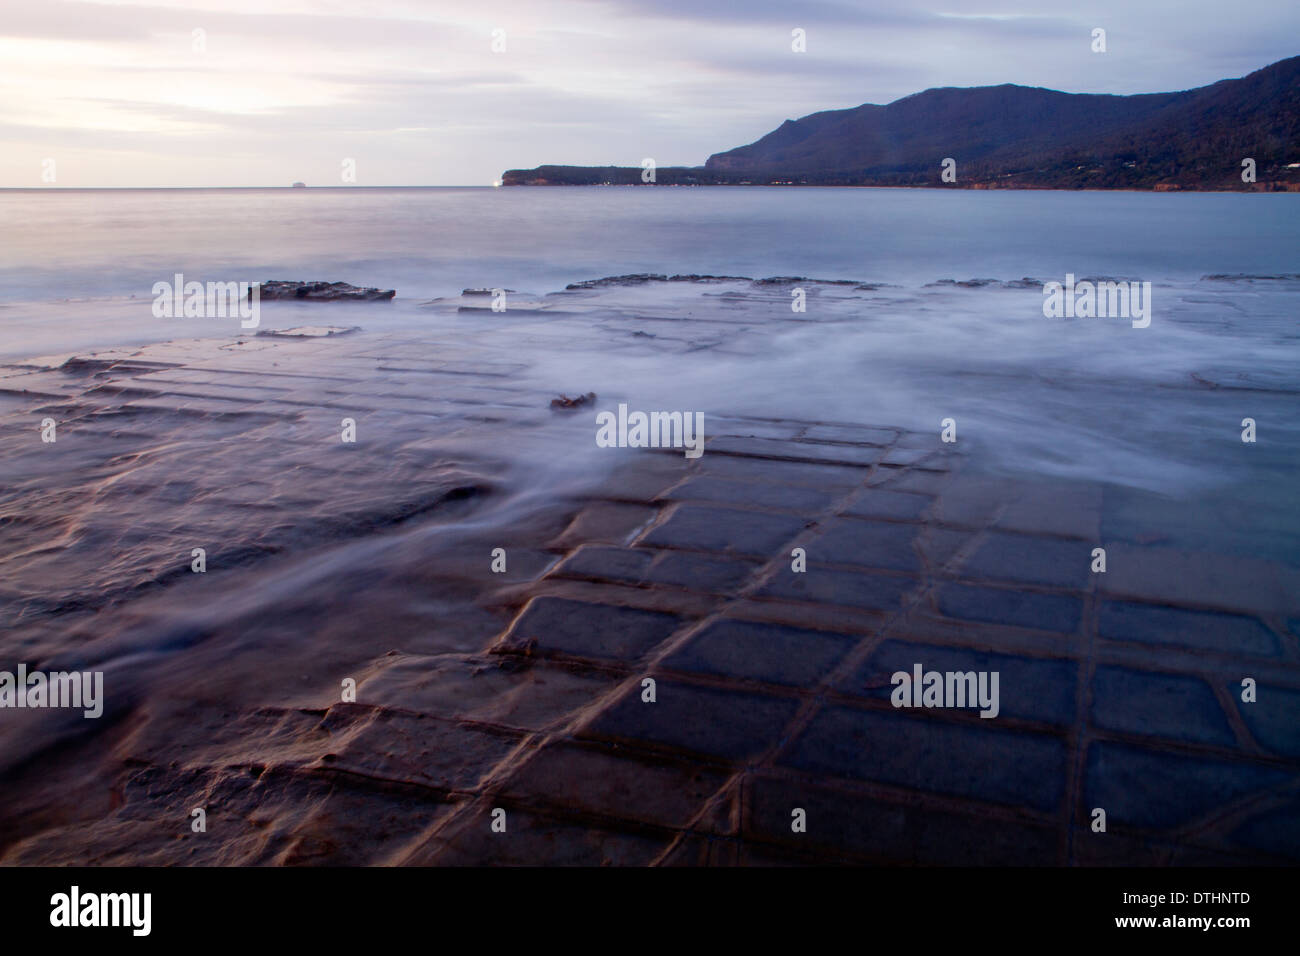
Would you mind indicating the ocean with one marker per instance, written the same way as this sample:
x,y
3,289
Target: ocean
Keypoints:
x,y
1158,408
424,242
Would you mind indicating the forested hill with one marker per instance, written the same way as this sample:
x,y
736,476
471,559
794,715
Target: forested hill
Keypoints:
x,y
1015,137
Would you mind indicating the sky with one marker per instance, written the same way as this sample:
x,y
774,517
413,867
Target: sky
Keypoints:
x,y
454,92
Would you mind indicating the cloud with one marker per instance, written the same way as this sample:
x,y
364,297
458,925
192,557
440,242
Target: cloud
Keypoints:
x,y
777,12
415,89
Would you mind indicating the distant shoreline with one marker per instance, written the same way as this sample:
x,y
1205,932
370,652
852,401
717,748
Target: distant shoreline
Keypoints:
x,y
1260,188
140,189
979,187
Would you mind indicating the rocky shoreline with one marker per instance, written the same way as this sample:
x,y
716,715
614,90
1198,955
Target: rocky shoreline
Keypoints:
x,y
516,681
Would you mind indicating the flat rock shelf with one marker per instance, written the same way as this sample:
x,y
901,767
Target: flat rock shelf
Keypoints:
x,y
523,689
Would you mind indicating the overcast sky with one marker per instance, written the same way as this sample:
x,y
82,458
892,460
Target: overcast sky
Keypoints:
x,y
272,91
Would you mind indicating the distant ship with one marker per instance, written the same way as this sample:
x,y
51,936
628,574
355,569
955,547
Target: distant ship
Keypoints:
x,y
299,185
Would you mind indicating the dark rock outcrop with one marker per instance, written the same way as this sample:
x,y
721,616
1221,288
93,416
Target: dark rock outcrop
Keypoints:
x,y
565,403
322,292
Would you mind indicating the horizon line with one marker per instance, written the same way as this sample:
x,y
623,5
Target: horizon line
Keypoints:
x,y
33,189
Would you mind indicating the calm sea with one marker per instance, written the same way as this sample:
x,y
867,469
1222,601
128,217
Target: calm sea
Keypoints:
x,y
424,242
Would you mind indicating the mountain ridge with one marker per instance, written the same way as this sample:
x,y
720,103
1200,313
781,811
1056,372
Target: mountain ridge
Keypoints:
x,y
1012,136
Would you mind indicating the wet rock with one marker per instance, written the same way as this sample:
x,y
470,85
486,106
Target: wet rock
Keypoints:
x,y
1242,277
964,283
322,292
310,331
692,277
567,403
641,278
1024,283
637,278
792,280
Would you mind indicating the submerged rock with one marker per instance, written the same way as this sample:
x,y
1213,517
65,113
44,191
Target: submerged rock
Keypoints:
x,y
1023,283
635,278
805,280
565,402
1242,277
310,331
323,292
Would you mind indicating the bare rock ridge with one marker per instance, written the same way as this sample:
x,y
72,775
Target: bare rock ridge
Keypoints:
x,y
1014,137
